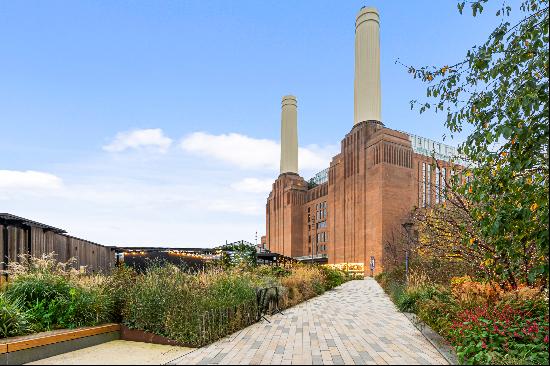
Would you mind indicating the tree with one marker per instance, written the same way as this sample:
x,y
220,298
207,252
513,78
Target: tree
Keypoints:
x,y
238,253
500,90
311,183
451,233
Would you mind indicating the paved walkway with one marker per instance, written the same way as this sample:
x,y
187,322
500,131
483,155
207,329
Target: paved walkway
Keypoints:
x,y
355,323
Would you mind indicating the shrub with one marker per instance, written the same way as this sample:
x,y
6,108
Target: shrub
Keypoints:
x,y
333,277
439,270
382,279
87,306
472,293
32,288
147,301
394,278
438,312
302,284
43,296
489,334
53,297
412,296
193,309
484,321
419,289
271,271
13,321
121,279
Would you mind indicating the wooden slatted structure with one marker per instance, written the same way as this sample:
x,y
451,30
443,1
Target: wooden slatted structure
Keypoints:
x,y
22,236
44,339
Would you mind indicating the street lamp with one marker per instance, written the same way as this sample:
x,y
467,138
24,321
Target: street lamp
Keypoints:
x,y
407,226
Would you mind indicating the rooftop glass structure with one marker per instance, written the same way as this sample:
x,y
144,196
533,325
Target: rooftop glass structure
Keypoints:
x,y
321,177
425,146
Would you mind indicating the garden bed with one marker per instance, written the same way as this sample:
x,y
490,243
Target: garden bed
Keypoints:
x,y
483,322
164,304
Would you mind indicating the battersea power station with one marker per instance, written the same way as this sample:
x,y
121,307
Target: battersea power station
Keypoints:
x,y
347,212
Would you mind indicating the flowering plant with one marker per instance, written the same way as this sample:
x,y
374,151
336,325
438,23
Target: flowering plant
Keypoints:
x,y
488,333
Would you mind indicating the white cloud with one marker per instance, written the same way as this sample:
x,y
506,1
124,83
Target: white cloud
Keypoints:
x,y
111,205
253,185
242,151
250,153
174,199
242,207
152,139
29,179
314,157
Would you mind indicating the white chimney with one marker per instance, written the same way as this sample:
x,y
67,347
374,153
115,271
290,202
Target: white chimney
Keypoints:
x,y
289,135
367,102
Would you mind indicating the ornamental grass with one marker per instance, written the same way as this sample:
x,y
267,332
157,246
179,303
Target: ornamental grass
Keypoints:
x,y
193,309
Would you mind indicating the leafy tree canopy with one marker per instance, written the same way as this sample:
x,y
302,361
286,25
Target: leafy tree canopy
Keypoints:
x,y
238,253
500,91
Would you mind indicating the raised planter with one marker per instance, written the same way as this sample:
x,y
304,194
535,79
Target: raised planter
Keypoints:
x,y
136,335
20,350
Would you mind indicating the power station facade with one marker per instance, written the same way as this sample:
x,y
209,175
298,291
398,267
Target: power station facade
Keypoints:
x,y
360,201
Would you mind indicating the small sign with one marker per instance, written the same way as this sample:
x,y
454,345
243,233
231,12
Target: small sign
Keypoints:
x,y
372,263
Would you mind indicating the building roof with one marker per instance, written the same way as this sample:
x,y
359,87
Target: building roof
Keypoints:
x,y
163,249
9,218
320,177
428,147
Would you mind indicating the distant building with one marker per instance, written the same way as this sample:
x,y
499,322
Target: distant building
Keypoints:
x,y
348,211
20,236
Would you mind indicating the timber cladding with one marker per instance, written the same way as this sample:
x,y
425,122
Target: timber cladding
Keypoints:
x,y
19,236
39,340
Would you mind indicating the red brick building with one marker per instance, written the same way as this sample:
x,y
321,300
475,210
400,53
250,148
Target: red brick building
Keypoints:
x,y
364,196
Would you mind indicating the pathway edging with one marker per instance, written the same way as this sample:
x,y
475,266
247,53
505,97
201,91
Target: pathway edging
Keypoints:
x,y
442,346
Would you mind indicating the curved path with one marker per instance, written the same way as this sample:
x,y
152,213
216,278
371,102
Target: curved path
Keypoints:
x,y
355,323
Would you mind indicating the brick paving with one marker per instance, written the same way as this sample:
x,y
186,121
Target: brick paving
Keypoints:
x,y
355,323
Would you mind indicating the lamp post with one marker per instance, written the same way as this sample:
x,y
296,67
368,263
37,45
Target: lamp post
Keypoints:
x,y
407,226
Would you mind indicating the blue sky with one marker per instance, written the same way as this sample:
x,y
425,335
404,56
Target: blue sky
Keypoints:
x,y
157,122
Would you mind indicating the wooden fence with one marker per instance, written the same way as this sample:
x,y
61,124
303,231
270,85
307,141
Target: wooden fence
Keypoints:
x,y
37,241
